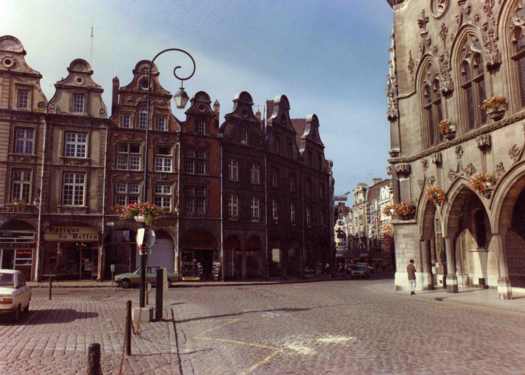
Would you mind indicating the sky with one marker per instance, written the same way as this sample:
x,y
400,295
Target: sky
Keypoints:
x,y
329,57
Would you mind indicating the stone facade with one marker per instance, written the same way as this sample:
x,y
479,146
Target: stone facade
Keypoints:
x,y
456,93
65,166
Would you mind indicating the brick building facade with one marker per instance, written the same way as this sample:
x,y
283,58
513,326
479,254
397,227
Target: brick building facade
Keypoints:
x,y
250,197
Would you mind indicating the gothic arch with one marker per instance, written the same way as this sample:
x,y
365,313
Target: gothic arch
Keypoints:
x,y
505,196
427,75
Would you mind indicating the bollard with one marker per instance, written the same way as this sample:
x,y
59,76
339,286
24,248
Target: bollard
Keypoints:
x,y
94,367
159,294
127,330
50,288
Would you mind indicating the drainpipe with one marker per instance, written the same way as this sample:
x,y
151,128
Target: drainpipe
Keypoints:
x,y
267,212
40,198
177,212
221,211
102,258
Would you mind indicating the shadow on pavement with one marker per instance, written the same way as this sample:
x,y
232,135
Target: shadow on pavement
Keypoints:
x,y
284,309
49,316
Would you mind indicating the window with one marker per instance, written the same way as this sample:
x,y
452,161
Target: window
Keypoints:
x,y
277,145
189,201
433,110
201,200
75,145
275,178
289,148
518,39
24,140
22,98
143,119
308,187
255,174
233,206
189,162
293,184
201,127
244,135
126,193
201,164
256,209
292,213
163,193
128,156
21,185
473,83
163,159
125,121
233,170
275,210
162,123
74,188
79,103
308,216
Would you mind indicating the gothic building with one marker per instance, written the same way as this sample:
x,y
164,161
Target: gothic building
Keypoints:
x,y
456,97
250,198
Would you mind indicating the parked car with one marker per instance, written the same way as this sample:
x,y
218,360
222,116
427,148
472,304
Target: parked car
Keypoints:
x,y
359,270
15,295
130,279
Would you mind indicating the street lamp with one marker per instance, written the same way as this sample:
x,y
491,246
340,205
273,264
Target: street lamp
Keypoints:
x,y
181,99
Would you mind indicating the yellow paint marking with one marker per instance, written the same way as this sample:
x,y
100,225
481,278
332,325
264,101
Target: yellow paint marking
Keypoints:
x,y
244,343
260,363
217,327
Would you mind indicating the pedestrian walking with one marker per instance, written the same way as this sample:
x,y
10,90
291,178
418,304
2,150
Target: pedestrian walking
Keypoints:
x,y
411,271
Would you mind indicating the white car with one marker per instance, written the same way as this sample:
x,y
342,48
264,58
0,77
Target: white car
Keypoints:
x,y
15,295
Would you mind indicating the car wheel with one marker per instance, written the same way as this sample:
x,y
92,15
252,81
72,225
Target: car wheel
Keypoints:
x,y
125,283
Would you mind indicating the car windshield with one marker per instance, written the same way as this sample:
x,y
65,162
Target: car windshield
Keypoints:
x,y
6,279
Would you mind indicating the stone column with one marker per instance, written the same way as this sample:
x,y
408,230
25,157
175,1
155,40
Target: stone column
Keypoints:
x,y
425,265
504,287
452,279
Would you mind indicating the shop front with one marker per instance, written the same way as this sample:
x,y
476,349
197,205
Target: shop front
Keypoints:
x,y
71,252
200,256
17,247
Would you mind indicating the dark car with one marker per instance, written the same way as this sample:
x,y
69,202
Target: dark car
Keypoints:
x,y
360,271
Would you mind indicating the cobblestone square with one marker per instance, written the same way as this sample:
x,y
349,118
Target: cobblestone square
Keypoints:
x,y
332,327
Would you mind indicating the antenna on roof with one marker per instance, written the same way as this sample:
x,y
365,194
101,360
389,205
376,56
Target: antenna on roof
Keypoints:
x,y
92,36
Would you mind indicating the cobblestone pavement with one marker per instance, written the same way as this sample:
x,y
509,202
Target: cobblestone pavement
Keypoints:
x,y
337,327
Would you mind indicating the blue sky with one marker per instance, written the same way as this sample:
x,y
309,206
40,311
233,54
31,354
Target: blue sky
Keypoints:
x,y
328,56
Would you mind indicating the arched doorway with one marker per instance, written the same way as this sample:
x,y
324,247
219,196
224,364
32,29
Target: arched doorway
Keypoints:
x,y
432,251
468,230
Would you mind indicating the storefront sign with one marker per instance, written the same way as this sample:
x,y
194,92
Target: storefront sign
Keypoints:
x,y
65,233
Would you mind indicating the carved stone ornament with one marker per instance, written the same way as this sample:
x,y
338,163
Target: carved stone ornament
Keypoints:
x,y
464,12
424,163
391,87
459,151
484,142
470,170
447,85
461,172
403,170
518,22
500,170
490,42
411,64
439,7
437,159
515,153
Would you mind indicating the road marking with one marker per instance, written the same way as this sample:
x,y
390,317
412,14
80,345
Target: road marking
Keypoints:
x,y
260,363
301,349
334,339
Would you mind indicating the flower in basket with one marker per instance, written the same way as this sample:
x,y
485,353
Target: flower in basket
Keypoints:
x,y
389,209
148,211
482,182
436,195
494,102
405,210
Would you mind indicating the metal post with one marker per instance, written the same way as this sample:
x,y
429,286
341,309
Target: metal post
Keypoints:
x,y
94,367
159,294
142,296
127,330
50,288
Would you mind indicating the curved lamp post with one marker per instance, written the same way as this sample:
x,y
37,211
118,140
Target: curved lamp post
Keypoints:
x,y
181,99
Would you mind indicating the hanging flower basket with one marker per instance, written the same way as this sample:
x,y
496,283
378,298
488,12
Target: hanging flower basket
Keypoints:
x,y
436,195
447,129
140,212
389,209
405,210
388,230
495,107
483,183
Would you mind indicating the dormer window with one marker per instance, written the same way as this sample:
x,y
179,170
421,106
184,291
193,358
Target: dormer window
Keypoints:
x,y
79,103
143,83
143,119
244,136
162,123
201,127
22,98
125,121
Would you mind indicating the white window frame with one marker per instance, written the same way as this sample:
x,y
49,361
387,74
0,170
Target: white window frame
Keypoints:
x,y
23,185
127,159
162,123
74,189
233,170
256,209
163,196
124,191
233,206
244,135
75,145
142,121
22,98
201,127
163,162
201,163
79,103
24,140
125,121
255,174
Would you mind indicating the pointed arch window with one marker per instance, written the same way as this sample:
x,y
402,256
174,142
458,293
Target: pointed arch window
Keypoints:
x,y
473,84
432,105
